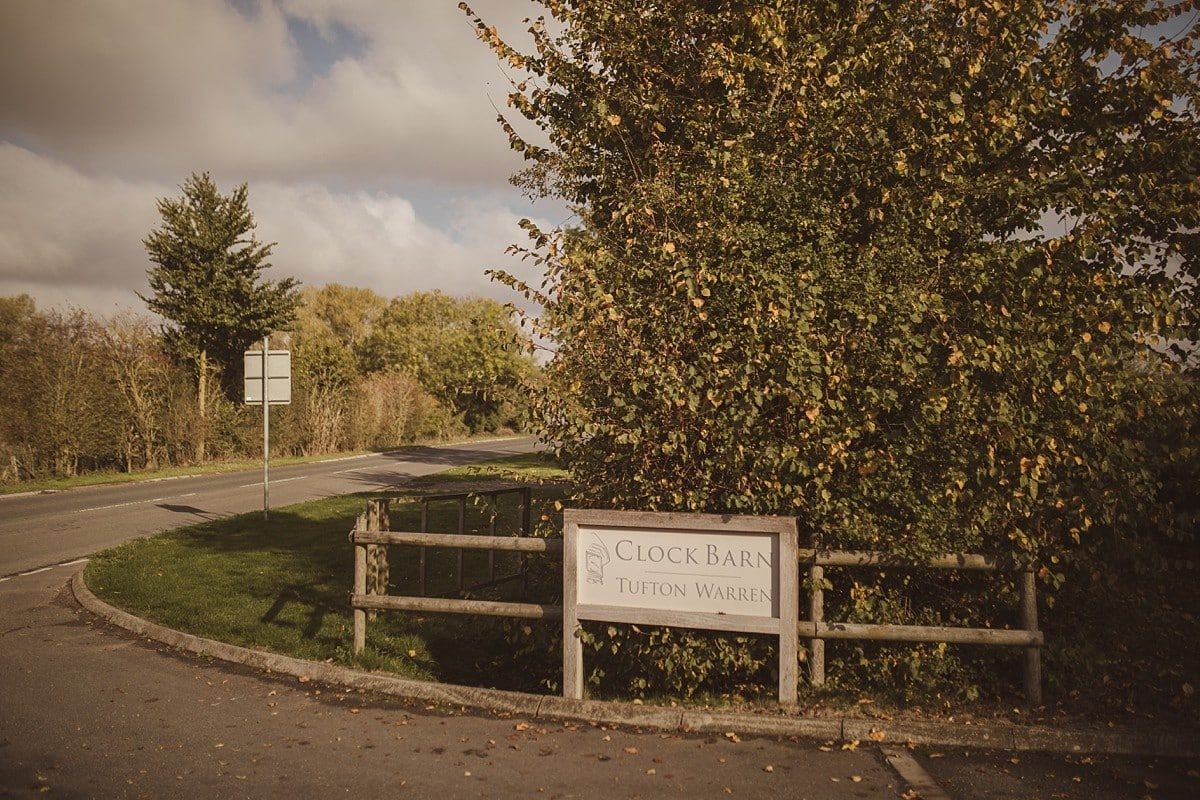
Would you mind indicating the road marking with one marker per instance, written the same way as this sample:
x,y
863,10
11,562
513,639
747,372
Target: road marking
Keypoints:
x,y
43,569
281,480
123,505
914,775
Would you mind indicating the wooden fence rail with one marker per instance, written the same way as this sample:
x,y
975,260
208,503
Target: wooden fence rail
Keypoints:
x,y
372,532
372,535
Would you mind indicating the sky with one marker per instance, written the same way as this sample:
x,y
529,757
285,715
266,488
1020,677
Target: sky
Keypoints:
x,y
365,130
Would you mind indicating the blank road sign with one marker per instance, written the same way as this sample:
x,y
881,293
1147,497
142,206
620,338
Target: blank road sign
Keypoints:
x,y
279,372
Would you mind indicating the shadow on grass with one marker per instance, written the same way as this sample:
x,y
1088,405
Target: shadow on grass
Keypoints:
x,y
283,585
312,601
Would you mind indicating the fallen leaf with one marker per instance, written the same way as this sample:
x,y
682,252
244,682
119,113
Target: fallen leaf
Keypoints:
x,y
877,735
633,751
304,679
651,771
521,726
856,778
852,746
733,737
768,768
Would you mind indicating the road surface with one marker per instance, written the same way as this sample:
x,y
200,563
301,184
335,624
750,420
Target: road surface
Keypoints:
x,y
88,711
40,530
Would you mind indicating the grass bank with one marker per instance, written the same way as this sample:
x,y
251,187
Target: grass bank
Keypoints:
x,y
210,468
282,585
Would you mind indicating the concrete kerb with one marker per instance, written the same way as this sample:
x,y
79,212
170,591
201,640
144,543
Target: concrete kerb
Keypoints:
x,y
994,736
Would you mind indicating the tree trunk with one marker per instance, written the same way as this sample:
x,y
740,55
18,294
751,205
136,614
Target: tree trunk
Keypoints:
x,y
201,398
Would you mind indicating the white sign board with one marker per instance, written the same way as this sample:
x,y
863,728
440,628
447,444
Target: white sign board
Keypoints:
x,y
279,377
708,571
679,570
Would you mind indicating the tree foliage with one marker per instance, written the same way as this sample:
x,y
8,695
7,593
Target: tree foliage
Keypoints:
x,y
467,351
207,275
906,270
891,266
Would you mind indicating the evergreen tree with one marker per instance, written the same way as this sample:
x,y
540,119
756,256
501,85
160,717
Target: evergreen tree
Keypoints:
x,y
207,282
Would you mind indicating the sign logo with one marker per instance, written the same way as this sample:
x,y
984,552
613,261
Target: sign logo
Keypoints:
x,y
596,558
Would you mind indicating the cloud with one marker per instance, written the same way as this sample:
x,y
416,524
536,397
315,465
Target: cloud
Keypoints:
x,y
66,236
161,89
365,130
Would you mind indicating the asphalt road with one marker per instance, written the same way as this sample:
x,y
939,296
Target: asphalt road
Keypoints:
x,y
88,711
40,530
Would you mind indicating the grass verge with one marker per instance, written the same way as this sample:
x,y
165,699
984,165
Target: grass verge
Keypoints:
x,y
282,585
211,468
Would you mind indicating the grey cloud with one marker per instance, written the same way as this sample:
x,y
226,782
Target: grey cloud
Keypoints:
x,y
66,236
159,89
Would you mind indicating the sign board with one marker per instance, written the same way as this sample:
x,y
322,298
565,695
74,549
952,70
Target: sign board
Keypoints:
x,y
279,366
714,572
711,572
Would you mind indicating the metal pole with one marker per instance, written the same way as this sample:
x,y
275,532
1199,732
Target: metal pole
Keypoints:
x,y
266,427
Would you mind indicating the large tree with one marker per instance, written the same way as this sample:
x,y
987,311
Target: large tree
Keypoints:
x,y
207,282
894,266
904,269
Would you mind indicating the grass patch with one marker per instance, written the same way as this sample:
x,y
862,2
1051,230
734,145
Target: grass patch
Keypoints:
x,y
529,467
282,585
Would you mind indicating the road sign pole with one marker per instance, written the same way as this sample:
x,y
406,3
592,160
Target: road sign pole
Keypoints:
x,y
266,401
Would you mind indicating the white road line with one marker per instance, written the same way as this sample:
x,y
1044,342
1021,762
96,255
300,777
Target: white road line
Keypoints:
x,y
914,775
122,505
281,480
43,569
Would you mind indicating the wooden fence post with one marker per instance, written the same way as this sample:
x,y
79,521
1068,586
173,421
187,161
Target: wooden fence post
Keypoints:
x,y
360,587
1033,655
789,616
493,511
462,528
816,615
572,646
526,510
378,570
421,567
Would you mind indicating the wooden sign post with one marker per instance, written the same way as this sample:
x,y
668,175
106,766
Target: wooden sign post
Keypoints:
x,y
707,571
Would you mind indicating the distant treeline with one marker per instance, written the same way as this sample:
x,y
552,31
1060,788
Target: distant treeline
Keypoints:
x,y
81,393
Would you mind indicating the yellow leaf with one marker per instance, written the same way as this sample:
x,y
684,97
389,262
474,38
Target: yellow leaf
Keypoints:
x,y
614,119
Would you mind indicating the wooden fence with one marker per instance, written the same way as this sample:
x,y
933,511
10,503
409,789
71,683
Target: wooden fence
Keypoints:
x,y
371,531
372,534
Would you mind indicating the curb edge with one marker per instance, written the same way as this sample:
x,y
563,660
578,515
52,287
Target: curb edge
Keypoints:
x,y
990,736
